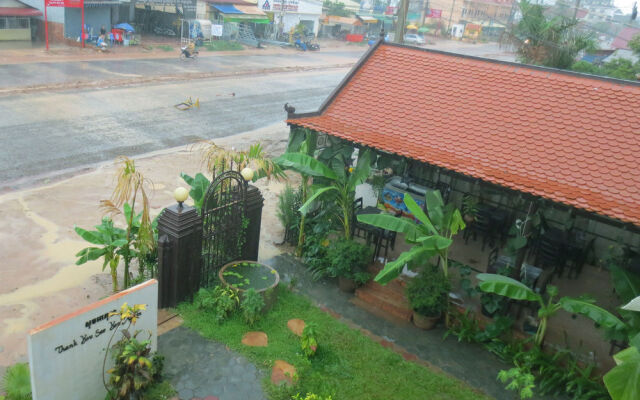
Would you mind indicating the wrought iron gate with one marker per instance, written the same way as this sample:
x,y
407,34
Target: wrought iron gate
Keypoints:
x,y
223,224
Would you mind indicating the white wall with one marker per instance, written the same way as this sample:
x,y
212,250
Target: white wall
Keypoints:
x,y
54,14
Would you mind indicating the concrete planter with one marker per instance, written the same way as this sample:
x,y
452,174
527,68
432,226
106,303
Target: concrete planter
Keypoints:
x,y
424,322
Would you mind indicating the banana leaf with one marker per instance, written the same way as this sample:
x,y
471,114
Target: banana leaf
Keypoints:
x,y
361,172
623,381
435,207
92,237
199,186
599,315
305,164
90,254
505,286
633,305
417,212
305,207
394,268
401,225
626,283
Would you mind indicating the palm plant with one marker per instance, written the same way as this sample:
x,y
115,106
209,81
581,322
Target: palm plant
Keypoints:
x,y
218,159
341,182
508,287
131,184
430,236
551,42
111,239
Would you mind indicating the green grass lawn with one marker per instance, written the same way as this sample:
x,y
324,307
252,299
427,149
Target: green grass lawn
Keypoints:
x,y
347,365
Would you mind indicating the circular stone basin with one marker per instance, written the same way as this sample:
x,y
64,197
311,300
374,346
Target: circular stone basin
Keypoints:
x,y
244,275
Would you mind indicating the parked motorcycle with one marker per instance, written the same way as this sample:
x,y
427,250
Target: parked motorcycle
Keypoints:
x,y
312,45
184,54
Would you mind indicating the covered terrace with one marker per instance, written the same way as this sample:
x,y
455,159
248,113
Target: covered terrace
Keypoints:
x,y
505,142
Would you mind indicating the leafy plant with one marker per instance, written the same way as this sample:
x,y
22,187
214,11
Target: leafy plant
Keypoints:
x,y
199,185
520,379
508,287
289,201
112,239
135,367
469,206
428,293
311,396
17,382
431,237
131,183
222,301
623,381
348,259
218,160
308,340
341,182
251,305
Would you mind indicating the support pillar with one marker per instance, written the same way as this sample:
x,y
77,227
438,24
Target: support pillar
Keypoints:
x,y
253,212
179,254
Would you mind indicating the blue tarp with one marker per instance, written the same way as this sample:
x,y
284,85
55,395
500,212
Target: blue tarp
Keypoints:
x,y
125,26
227,9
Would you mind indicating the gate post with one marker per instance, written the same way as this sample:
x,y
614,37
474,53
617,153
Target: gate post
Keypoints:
x,y
253,212
179,254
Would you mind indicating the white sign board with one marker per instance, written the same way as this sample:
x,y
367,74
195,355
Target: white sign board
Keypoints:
x,y
66,354
216,30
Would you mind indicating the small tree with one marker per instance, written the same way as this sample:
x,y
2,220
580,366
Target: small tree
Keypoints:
x,y
634,44
552,42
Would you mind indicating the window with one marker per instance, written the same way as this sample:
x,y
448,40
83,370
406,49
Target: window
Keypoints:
x,y
14,23
3,23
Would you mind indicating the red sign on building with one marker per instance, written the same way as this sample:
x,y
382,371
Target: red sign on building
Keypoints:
x,y
64,3
433,13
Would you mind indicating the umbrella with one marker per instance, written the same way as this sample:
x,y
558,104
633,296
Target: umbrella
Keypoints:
x,y
124,26
423,29
412,26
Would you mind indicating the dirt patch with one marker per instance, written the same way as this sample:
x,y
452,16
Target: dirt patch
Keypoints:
x,y
296,326
255,339
283,373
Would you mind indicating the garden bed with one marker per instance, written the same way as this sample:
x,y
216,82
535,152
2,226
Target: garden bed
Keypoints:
x,y
348,365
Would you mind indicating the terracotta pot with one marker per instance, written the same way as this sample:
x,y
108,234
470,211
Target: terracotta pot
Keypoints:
x,y
346,285
424,322
468,218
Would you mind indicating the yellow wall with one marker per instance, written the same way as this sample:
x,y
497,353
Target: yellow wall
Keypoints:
x,y
15,34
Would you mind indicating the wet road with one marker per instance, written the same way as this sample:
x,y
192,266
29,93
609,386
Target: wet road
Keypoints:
x,y
42,134
37,74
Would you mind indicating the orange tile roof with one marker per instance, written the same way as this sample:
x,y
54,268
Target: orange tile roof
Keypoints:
x,y
567,137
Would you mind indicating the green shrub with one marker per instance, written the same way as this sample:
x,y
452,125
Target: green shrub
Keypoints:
x,y
222,301
289,201
349,259
251,306
308,341
428,292
17,382
222,45
310,396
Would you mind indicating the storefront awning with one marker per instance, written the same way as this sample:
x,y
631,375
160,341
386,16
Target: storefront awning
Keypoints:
x,y
367,20
226,8
334,19
19,12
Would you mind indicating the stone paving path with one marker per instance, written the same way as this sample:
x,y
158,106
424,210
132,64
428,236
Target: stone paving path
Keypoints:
x,y
197,367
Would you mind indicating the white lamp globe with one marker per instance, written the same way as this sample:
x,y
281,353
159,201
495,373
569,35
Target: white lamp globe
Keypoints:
x,y
180,194
247,174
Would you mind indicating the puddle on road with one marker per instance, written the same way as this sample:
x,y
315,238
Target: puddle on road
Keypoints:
x,y
55,252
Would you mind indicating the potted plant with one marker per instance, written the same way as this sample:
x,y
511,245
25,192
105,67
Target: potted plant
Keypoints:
x,y
348,261
428,294
469,208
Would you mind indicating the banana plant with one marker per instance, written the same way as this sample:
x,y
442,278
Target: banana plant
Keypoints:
x,y
432,236
111,239
623,380
508,287
199,185
341,182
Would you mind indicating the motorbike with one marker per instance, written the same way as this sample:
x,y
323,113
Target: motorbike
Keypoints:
x,y
313,46
184,54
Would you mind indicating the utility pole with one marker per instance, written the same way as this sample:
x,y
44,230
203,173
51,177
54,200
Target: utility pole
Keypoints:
x,y
575,11
450,16
402,21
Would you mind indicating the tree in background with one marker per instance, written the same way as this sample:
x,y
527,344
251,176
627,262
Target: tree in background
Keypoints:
x,y
634,44
335,8
620,68
551,42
